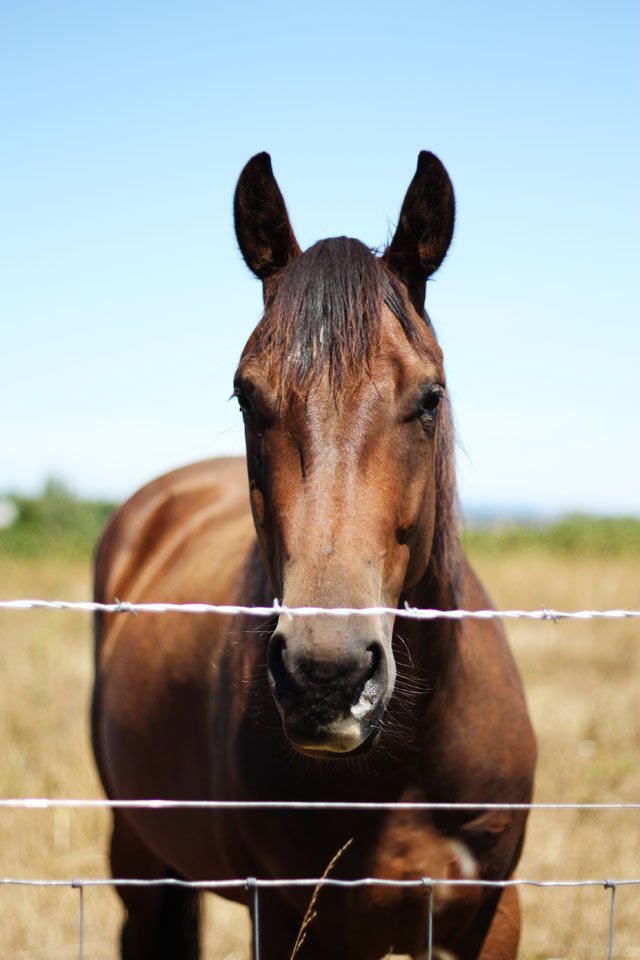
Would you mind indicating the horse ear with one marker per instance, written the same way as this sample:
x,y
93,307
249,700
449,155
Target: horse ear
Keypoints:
x,y
424,229
264,233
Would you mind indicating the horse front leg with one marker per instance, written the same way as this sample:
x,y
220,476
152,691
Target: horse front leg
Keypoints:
x,y
501,941
161,923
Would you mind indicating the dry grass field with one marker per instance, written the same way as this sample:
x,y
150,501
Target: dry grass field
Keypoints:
x,y
583,685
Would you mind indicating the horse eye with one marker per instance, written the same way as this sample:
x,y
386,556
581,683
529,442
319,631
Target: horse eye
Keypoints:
x,y
244,402
429,402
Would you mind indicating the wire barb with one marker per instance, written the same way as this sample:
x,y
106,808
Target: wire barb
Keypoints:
x,y
279,608
549,614
123,606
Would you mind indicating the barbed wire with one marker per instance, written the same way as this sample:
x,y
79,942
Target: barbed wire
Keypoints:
x,y
407,612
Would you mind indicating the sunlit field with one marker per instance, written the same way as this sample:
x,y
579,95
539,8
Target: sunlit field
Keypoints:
x,y
582,682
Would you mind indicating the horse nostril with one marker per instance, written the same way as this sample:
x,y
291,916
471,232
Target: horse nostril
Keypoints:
x,y
278,674
369,690
375,649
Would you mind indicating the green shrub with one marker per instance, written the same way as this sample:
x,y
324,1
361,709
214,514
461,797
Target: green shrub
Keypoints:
x,y
55,523
571,535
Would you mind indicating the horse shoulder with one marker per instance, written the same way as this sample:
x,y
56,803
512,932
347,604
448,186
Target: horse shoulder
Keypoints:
x,y
183,538
158,517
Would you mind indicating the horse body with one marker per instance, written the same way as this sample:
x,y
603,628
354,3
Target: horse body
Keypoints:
x,y
350,503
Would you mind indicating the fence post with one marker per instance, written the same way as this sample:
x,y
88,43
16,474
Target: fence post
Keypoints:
x,y
78,884
252,884
429,883
611,885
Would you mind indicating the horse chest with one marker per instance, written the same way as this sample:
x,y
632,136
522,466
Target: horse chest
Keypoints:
x,y
398,846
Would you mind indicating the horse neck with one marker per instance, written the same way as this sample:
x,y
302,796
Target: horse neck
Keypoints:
x,y
431,644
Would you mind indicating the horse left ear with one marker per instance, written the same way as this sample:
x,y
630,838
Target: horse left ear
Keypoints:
x,y
425,228
264,233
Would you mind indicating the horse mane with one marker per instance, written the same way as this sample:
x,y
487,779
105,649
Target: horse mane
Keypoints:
x,y
324,314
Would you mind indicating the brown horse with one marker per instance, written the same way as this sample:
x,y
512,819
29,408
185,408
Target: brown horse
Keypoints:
x,y
350,502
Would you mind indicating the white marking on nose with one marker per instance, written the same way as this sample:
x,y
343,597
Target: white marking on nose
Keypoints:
x,y
365,701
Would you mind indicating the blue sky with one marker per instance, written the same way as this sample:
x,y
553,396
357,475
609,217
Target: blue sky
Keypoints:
x,y
124,303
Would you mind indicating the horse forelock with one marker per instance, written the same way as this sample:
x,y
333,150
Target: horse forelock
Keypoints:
x,y
323,315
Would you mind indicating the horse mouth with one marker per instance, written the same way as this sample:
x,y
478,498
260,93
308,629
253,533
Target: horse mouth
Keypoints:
x,y
330,713
324,751
364,747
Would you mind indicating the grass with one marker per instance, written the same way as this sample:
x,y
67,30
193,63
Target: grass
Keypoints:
x,y
582,685
581,681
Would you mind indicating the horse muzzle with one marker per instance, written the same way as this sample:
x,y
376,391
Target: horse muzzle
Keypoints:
x,y
331,691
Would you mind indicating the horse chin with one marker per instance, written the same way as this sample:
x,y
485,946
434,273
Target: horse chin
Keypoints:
x,y
327,752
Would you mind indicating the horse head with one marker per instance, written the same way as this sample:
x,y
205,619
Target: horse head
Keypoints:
x,y
343,395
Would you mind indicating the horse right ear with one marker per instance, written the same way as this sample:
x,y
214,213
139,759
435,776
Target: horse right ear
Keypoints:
x,y
425,228
264,233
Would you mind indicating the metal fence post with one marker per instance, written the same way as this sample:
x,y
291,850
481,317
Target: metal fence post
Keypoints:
x,y
252,884
611,885
78,884
429,883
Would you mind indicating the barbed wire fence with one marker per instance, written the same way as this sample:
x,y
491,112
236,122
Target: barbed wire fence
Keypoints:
x,y
253,885
276,609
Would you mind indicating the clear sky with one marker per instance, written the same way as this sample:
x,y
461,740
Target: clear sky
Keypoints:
x,y
124,302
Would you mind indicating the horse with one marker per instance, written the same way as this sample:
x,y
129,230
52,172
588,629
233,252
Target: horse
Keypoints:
x,y
350,502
